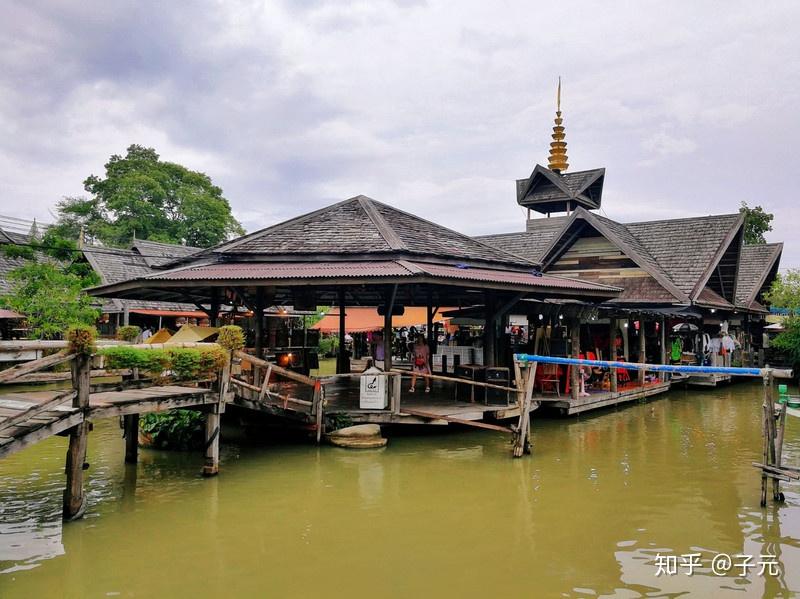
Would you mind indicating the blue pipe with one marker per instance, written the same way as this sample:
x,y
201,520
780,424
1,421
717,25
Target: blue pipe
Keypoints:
x,y
523,358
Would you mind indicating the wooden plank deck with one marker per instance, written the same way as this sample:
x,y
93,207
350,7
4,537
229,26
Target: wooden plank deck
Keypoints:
x,y
54,419
604,399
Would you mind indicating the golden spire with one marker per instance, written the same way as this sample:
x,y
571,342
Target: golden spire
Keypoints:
x,y
558,147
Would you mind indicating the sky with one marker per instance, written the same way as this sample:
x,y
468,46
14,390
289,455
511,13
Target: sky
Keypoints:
x,y
433,107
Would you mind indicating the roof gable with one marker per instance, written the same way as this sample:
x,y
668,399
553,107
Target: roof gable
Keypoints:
x,y
688,249
547,191
618,235
758,266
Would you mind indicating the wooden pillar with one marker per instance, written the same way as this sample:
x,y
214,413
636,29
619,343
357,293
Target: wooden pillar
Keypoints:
x,y
258,312
387,328
429,324
74,503
612,352
213,314
663,337
642,348
342,363
126,314
489,330
575,350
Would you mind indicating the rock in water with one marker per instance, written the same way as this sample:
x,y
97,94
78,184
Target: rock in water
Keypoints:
x,y
361,436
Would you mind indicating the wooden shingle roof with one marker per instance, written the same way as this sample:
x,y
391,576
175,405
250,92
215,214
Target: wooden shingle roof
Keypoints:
x,y
532,243
686,248
756,266
156,253
679,253
365,227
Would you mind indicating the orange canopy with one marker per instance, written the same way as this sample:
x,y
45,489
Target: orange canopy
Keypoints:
x,y
359,319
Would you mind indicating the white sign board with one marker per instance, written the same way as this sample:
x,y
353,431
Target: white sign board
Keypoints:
x,y
373,390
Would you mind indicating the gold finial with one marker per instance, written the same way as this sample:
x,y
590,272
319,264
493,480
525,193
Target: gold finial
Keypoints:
x,y
558,147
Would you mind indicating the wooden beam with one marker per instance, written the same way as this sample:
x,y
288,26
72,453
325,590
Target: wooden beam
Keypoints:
x,y
17,371
475,423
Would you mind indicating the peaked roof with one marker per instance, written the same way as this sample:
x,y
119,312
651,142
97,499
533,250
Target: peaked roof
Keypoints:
x,y
362,226
688,249
114,265
756,267
547,191
530,244
680,253
156,253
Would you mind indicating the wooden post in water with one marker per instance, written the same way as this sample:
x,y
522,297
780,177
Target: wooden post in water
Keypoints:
x,y
74,504
575,351
131,428
524,383
211,466
768,411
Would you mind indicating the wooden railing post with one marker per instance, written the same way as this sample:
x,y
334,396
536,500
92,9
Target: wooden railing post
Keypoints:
x,y
74,504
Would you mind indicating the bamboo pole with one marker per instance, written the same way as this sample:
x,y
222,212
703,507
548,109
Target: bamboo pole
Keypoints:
x,y
522,437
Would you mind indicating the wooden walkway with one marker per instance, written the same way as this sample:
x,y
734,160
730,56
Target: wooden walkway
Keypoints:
x,y
26,418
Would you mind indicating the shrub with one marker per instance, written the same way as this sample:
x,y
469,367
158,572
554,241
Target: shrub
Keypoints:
x,y
181,362
128,333
81,339
176,429
231,337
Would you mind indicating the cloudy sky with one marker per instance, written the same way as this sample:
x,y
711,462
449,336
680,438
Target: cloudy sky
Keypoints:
x,y
434,107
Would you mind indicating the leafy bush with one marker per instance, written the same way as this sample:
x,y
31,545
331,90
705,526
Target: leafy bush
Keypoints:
x,y
128,333
81,339
231,337
176,429
181,362
789,340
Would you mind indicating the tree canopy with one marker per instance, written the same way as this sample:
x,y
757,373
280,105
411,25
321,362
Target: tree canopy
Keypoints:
x,y
785,291
47,289
144,197
756,223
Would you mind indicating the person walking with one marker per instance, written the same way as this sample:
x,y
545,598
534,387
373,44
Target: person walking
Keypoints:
x,y
420,363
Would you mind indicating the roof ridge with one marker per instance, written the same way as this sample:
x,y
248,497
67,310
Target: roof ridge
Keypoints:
x,y
386,231
670,220
454,232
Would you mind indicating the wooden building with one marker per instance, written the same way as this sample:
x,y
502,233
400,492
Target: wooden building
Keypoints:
x,y
695,269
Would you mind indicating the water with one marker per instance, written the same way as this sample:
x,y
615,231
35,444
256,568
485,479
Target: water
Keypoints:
x,y
446,514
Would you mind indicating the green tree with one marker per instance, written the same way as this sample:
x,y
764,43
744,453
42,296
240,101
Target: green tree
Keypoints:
x,y
756,223
50,298
785,291
148,198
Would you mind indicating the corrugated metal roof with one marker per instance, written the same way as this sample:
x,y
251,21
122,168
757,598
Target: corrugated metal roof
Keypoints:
x,y
371,269
284,270
509,277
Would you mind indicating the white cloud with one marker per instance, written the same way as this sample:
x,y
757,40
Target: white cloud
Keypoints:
x,y
289,105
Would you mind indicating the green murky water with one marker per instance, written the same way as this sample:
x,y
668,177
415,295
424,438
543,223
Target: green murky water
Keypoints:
x,y
447,515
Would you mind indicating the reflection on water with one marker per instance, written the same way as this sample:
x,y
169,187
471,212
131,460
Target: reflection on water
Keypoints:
x,y
436,515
